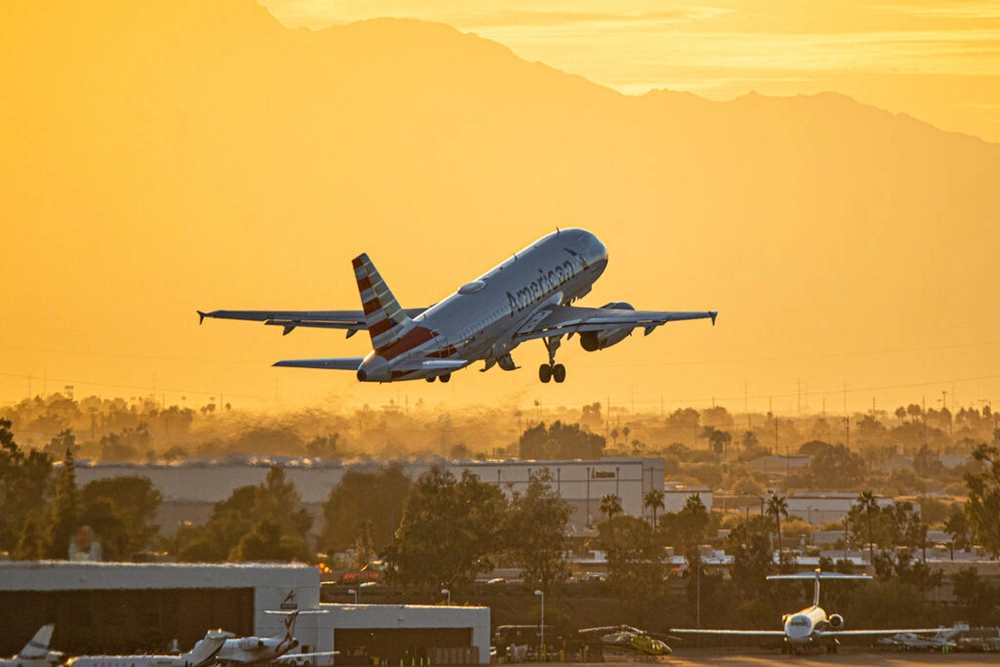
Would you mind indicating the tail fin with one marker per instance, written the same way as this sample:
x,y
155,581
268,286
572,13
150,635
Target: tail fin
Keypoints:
x,y
38,646
386,320
206,649
819,573
289,641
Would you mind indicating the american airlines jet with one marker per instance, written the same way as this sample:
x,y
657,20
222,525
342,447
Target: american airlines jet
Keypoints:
x,y
809,627
526,297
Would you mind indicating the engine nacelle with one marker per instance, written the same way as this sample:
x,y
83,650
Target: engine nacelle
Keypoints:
x,y
250,643
836,621
591,341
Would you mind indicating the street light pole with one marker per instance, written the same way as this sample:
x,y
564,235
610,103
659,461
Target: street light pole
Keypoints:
x,y
354,592
445,591
542,624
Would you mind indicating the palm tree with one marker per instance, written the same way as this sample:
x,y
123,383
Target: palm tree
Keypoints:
x,y
653,499
777,507
869,507
610,505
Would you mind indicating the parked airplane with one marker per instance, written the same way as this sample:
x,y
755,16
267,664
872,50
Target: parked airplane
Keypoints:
x,y
808,627
943,639
202,654
626,639
526,297
36,652
252,650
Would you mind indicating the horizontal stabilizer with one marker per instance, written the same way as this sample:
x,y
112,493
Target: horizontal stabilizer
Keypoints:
x,y
335,363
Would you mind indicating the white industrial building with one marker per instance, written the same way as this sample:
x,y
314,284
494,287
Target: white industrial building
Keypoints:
x,y
191,490
135,608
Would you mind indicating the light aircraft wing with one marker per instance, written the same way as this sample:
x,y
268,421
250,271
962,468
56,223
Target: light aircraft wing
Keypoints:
x,y
349,320
571,319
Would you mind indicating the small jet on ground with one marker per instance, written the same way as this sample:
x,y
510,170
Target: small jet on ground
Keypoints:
x,y
809,627
626,639
527,297
199,656
36,652
253,650
943,639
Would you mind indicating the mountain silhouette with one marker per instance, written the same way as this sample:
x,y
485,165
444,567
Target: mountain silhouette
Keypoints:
x,y
174,154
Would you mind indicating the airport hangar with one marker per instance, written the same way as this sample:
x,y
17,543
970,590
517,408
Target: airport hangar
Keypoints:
x,y
127,608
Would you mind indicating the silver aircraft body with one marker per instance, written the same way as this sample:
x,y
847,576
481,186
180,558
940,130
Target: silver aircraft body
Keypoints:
x,y
524,298
36,652
809,627
253,650
204,651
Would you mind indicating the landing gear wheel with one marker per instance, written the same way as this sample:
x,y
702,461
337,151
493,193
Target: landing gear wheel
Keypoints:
x,y
559,373
444,377
431,379
545,372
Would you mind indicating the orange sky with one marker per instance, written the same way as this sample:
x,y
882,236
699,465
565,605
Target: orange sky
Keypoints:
x,y
936,60
162,157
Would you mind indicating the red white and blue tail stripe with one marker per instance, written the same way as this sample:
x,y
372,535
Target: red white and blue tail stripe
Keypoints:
x,y
385,319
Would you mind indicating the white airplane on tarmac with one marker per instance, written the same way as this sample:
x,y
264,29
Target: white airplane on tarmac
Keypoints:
x,y
202,654
36,652
252,650
526,297
941,640
809,627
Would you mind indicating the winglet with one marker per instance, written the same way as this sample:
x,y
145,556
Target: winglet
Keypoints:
x,y
201,317
713,314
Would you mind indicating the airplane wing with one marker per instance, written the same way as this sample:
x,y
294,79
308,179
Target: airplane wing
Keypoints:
x,y
872,633
351,320
571,319
743,633
334,363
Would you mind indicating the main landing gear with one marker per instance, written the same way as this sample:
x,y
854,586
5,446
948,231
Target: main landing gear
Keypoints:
x,y
552,370
444,377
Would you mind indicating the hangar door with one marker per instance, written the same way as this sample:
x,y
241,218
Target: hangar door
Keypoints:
x,y
412,646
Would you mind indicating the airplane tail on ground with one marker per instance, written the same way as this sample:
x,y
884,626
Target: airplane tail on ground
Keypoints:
x,y
206,649
38,646
288,642
817,575
386,320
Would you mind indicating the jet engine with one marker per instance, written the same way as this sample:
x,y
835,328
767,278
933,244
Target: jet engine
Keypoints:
x,y
250,643
592,341
836,621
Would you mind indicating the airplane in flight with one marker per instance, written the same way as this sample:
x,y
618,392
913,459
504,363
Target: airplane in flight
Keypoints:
x,y
809,627
253,650
526,297
204,651
36,652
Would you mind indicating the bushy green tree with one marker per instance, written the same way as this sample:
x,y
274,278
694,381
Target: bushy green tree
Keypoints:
x,y
560,441
25,481
535,536
370,500
983,506
450,531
